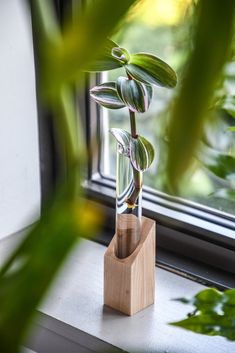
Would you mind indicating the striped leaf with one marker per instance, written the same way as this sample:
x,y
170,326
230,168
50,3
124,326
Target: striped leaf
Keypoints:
x,y
141,153
106,95
123,139
105,61
121,54
150,69
136,95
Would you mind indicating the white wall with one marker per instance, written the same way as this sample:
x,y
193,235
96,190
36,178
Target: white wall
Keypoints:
x,y
19,150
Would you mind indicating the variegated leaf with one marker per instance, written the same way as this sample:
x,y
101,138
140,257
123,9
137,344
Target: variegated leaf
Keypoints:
x,y
106,95
150,69
121,54
136,95
123,138
141,153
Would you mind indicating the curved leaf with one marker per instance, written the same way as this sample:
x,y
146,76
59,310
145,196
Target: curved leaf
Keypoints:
x,y
106,95
136,95
150,69
123,138
121,54
105,61
141,153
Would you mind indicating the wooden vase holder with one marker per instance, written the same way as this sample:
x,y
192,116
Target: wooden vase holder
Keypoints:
x,y
129,283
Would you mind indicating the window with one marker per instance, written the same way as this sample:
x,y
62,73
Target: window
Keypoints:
x,y
166,33
195,225
20,192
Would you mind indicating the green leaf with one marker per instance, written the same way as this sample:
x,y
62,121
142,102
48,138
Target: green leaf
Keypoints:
x,y
123,139
106,95
229,106
150,69
139,149
231,128
29,271
141,153
211,325
121,54
211,48
220,164
214,314
82,40
207,301
225,193
136,95
106,60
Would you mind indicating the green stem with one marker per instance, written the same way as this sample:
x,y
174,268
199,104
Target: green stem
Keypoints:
x,y
137,176
133,124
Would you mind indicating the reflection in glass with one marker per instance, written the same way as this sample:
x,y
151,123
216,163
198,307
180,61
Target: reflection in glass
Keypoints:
x,y
128,217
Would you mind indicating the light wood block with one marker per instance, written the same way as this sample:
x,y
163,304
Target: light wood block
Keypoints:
x,y
129,283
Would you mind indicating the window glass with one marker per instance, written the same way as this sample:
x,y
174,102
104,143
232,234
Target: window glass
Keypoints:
x,y
165,28
19,150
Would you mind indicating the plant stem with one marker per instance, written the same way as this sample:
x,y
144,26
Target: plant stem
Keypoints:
x,y
137,176
133,124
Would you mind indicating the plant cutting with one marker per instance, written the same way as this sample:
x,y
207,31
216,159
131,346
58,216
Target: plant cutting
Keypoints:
x,y
135,154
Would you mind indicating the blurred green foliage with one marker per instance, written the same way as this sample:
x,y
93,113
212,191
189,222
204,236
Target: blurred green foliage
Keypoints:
x,y
172,34
211,51
213,314
60,56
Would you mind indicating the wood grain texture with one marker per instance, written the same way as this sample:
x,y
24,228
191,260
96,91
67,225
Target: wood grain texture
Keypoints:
x,y
129,284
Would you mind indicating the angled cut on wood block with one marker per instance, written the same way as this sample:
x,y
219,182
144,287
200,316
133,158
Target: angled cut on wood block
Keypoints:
x,y
129,283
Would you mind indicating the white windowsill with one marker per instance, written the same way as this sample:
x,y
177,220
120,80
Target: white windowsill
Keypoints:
x,y
73,319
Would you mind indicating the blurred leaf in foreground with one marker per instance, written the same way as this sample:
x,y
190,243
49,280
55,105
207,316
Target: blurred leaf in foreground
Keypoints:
x,y
214,313
60,57
84,39
213,38
231,128
30,269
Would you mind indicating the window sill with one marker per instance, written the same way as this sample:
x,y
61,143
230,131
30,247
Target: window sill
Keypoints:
x,y
73,318
204,252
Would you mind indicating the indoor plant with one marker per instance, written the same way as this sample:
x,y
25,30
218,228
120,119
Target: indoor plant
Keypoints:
x,y
35,274
134,152
129,261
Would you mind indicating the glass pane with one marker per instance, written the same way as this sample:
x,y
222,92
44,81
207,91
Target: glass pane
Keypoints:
x,y
19,150
165,28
